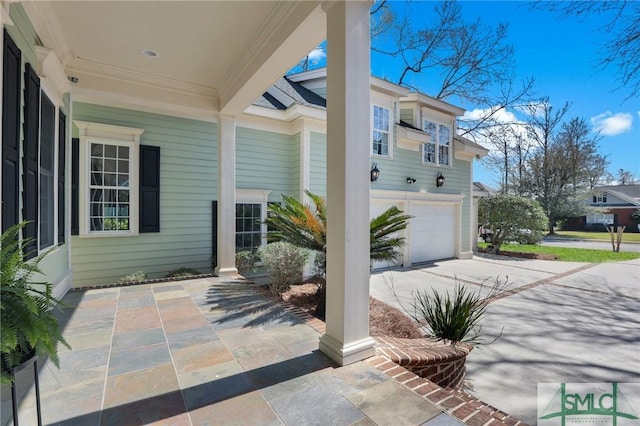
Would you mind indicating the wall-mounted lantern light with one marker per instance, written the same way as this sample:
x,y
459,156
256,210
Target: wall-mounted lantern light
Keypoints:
x,y
375,172
410,180
439,180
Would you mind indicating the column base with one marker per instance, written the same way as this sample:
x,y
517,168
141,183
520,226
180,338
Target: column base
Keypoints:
x,y
349,353
227,272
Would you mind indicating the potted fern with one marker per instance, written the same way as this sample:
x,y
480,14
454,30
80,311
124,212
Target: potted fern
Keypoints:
x,y
28,326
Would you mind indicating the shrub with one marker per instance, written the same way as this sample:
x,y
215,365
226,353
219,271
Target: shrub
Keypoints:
x,y
506,215
284,262
454,317
527,237
182,272
133,277
246,261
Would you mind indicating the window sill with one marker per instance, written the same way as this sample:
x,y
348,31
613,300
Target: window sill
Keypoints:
x,y
384,157
109,234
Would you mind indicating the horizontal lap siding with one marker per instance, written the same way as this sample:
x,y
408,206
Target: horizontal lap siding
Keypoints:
x,y
318,177
264,161
188,184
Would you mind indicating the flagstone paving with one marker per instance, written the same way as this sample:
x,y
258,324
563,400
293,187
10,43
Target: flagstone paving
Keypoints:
x,y
205,352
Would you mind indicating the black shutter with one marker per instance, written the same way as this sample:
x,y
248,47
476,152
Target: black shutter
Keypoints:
x,y
11,79
30,159
75,180
214,234
62,143
149,188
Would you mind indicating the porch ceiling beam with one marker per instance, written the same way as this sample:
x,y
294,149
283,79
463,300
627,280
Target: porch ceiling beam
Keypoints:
x,y
294,29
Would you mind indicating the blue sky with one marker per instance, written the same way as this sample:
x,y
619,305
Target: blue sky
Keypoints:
x,y
562,55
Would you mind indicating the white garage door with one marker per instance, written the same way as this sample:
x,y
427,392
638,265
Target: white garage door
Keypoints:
x,y
376,209
431,232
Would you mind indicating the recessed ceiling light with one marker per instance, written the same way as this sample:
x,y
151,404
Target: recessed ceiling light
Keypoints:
x,y
149,53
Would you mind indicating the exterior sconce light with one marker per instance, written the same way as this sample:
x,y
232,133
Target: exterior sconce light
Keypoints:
x,y
410,180
439,180
375,172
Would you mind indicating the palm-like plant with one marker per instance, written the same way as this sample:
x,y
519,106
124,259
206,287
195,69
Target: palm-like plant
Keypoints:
x,y
305,226
27,322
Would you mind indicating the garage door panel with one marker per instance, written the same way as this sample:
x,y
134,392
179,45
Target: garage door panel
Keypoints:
x,y
432,232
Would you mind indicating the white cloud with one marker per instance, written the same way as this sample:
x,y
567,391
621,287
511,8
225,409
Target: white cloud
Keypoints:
x,y
317,54
609,124
501,117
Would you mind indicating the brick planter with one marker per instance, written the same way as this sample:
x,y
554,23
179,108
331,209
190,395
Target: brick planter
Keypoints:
x,y
431,359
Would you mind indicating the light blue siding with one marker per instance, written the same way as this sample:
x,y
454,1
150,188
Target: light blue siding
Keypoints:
x,y
188,184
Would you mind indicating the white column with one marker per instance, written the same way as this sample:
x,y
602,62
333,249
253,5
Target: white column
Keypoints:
x,y
226,251
348,124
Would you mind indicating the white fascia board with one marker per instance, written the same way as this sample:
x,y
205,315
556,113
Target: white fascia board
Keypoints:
x,y
433,103
388,88
463,151
294,112
428,197
410,139
320,73
622,196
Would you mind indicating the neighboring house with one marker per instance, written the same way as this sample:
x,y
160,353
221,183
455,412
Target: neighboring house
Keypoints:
x,y
124,158
609,205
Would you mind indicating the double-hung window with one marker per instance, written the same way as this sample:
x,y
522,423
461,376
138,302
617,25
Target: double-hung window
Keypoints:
x,y
438,149
251,212
109,188
381,131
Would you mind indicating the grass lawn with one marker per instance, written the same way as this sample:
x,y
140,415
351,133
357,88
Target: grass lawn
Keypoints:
x,y
570,254
627,237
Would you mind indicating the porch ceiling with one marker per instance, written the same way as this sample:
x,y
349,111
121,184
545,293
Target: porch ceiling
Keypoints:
x,y
209,52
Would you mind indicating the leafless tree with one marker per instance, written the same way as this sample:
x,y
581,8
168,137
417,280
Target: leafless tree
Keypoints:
x,y
622,50
462,60
625,177
565,162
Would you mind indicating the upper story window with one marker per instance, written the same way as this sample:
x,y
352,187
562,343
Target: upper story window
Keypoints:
x,y
600,198
438,151
381,131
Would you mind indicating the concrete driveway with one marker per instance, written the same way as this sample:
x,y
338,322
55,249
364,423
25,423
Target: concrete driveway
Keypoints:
x,y
564,322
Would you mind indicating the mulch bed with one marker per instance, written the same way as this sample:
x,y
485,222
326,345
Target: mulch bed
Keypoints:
x,y
538,256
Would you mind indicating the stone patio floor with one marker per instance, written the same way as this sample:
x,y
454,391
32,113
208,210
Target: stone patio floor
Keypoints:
x,y
206,351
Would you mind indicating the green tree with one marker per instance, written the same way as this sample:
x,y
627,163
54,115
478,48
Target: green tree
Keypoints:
x,y
508,215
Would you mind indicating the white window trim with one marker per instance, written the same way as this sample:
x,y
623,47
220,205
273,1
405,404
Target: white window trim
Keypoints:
x,y
438,122
115,135
256,196
390,108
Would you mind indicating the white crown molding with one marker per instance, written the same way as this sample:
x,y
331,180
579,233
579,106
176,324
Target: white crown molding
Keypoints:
x,y
42,18
49,67
79,65
118,100
108,131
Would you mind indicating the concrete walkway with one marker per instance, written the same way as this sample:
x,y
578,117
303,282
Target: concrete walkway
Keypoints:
x,y
207,352
563,322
